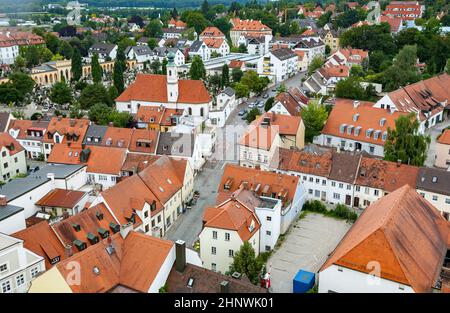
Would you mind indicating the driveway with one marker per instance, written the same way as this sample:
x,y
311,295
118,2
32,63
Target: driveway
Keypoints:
x,y
306,246
434,133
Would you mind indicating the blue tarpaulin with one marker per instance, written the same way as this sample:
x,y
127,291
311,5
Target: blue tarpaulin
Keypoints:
x,y
303,281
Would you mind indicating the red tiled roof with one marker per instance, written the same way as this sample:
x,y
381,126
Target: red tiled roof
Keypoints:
x,y
344,112
259,137
189,91
42,240
214,43
61,198
445,137
8,142
236,64
233,215
404,233
212,31
305,162
135,263
102,160
249,25
287,125
24,125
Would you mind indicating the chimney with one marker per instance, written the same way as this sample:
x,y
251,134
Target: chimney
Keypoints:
x,y
356,104
224,287
51,176
125,230
3,200
68,251
180,252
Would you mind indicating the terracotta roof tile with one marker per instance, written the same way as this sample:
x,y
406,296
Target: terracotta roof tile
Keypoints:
x,y
212,31
445,137
42,240
260,137
364,116
189,91
305,162
401,231
144,141
61,198
8,142
287,125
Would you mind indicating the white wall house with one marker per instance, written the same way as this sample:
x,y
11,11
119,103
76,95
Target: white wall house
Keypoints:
x,y
8,54
199,48
18,266
12,160
222,108
279,65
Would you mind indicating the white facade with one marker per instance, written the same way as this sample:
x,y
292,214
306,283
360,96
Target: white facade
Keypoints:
x,y
12,165
278,70
252,157
13,223
344,280
203,52
269,215
163,273
347,144
9,54
18,266
219,113
105,180
217,249
440,201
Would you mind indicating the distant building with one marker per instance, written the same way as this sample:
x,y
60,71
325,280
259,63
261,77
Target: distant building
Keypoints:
x,y
443,150
12,158
251,28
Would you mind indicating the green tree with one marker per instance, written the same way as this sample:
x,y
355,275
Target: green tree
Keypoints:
x,y
242,48
93,94
197,70
246,262
164,66
315,64
97,71
196,20
251,116
255,83
77,65
119,68
152,44
447,67
281,88
349,88
20,63
120,119
65,49
241,90
32,56
403,71
237,74
225,76
22,82
314,117
113,93
269,104
99,113
405,143
61,93
155,66
154,29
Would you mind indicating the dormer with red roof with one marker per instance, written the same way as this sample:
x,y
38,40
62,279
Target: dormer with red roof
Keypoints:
x,y
12,158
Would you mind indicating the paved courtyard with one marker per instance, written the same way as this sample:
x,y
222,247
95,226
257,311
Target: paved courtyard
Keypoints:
x,y
306,246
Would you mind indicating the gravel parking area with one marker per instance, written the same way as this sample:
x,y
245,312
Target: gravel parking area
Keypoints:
x,y
306,246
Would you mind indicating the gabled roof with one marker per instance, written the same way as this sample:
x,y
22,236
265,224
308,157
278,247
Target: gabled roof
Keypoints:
x,y
24,125
434,180
4,120
248,25
214,43
287,125
88,222
444,138
101,47
233,215
8,142
135,263
305,162
144,141
212,31
289,103
42,240
424,96
176,144
234,176
404,233
360,115
283,54
344,166
259,137
101,160
189,91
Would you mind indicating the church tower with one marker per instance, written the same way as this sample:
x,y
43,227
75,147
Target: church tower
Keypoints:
x,y
172,78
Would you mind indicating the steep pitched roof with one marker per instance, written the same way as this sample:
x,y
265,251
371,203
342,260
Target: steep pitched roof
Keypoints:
x,y
445,137
42,240
305,162
344,166
102,160
212,31
434,180
359,115
189,91
401,231
135,263
287,125
8,142
233,215
259,137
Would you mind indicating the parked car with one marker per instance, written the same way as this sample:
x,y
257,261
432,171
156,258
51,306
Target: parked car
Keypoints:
x,y
266,96
252,105
242,112
261,105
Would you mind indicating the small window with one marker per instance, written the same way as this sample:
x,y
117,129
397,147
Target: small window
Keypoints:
x,y
3,267
213,250
6,286
214,233
227,236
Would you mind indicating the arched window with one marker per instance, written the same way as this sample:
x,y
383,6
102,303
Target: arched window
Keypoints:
x,y
201,112
190,111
